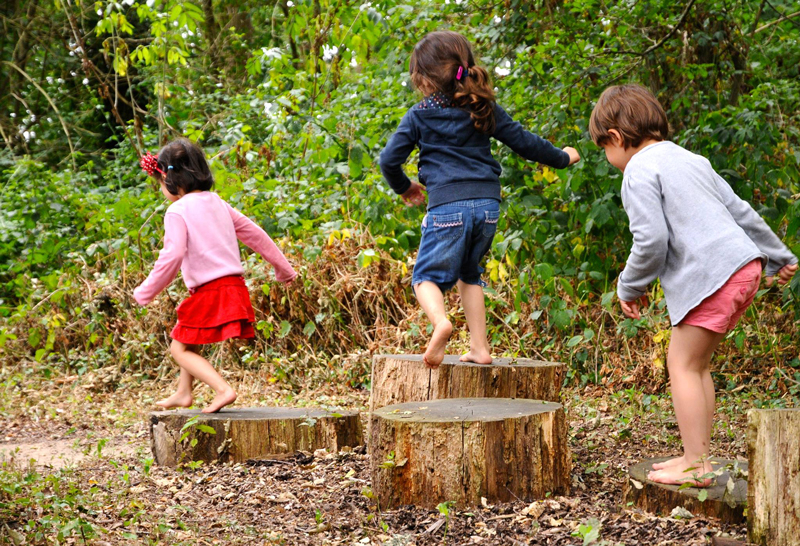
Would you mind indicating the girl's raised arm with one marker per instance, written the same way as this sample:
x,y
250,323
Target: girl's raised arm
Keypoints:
x,y
756,228
526,144
170,258
256,238
395,154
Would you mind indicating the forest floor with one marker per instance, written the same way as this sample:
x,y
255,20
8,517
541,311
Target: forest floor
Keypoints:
x,y
93,472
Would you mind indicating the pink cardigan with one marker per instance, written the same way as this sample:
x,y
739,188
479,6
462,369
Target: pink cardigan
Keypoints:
x,y
200,239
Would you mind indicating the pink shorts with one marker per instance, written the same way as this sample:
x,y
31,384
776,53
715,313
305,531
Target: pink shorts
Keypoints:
x,y
720,311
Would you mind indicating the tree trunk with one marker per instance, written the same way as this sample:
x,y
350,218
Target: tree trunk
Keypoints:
x,y
212,32
661,499
773,498
405,378
463,449
249,433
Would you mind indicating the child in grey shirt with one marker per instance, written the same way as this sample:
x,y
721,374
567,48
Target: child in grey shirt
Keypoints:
x,y
707,246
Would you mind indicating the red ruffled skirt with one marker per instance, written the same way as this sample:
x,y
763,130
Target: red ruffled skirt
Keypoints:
x,y
216,311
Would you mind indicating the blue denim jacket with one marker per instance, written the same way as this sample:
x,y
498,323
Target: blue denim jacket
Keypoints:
x,y
455,159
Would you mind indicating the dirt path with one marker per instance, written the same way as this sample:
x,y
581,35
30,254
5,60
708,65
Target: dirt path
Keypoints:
x,y
326,499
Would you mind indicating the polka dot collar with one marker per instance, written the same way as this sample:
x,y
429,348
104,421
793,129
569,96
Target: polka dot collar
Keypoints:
x,y
435,101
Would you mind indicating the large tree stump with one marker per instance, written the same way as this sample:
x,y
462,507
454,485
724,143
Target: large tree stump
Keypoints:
x,y
773,498
661,499
462,449
397,379
248,433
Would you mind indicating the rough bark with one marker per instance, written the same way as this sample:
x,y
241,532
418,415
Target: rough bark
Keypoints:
x,y
249,433
773,498
661,499
397,379
467,448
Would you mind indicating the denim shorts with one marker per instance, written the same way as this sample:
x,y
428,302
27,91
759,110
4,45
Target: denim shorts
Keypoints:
x,y
455,238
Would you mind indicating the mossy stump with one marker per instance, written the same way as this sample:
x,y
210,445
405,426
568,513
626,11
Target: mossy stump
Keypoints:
x,y
462,449
661,499
773,496
397,379
240,434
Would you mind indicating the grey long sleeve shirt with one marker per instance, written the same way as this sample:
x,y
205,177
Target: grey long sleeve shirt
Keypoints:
x,y
689,229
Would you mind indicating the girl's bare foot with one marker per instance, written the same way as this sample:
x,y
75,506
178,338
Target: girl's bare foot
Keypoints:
x,y
677,475
478,357
221,400
434,354
177,400
677,461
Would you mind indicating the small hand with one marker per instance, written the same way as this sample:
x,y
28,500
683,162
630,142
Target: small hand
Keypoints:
x,y
630,308
784,275
289,282
574,156
415,195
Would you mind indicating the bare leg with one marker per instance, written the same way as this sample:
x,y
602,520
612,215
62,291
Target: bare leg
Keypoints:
x,y
710,397
183,396
195,365
432,301
690,351
475,310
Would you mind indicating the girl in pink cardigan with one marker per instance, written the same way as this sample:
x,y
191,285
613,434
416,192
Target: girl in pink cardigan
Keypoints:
x,y
200,239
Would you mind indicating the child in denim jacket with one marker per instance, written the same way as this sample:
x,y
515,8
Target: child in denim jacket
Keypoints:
x,y
451,127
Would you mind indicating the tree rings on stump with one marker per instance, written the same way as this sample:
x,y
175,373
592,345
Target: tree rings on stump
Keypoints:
x,y
397,379
241,434
721,503
773,499
462,449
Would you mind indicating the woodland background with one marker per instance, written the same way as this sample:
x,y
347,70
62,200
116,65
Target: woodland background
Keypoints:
x,y
293,101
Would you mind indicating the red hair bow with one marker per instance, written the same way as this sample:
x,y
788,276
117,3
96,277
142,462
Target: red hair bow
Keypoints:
x,y
149,164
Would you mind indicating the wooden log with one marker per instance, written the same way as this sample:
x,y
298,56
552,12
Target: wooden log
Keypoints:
x,y
241,434
462,449
725,541
397,379
773,498
661,499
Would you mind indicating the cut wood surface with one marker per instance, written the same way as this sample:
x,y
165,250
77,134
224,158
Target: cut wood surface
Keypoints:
x,y
724,541
773,498
661,499
397,379
249,433
463,449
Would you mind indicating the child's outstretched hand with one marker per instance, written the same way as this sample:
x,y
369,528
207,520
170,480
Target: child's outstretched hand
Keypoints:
x,y
574,156
784,275
415,195
631,308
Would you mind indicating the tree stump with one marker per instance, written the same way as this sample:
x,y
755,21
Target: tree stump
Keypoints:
x,y
462,449
397,379
240,434
773,498
661,499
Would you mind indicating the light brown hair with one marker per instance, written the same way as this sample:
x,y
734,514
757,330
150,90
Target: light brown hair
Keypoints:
x,y
633,111
434,65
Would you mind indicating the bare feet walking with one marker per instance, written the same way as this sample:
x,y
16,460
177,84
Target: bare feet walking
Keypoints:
x,y
221,400
677,461
177,400
434,354
477,357
687,473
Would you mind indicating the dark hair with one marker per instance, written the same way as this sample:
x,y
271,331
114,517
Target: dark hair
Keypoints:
x,y
633,111
185,168
434,66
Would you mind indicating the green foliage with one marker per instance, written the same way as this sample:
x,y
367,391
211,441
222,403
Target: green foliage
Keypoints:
x,y
61,497
293,104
